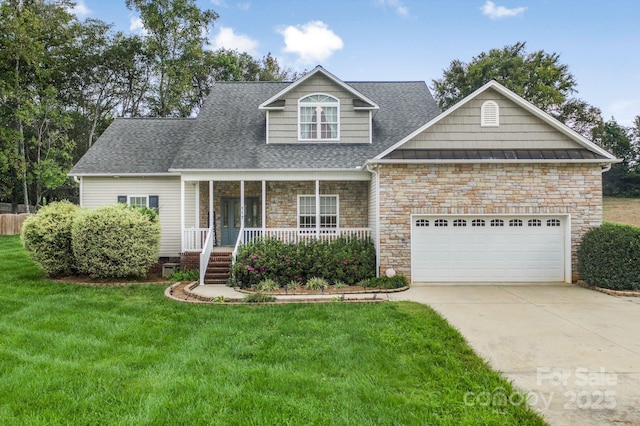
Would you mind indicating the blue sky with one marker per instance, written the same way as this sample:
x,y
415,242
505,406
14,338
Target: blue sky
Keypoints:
x,y
383,40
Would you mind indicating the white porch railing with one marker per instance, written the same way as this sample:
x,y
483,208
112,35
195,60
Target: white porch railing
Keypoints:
x,y
296,235
206,253
194,238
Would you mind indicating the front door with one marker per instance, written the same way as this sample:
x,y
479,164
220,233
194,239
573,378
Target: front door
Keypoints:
x,y
230,226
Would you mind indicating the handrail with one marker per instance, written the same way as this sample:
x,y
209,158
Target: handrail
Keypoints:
x,y
207,249
239,241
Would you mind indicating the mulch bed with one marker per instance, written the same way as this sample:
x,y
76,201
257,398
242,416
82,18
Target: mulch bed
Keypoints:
x,y
353,289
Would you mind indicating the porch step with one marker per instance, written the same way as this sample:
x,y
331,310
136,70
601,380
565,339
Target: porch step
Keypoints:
x,y
218,269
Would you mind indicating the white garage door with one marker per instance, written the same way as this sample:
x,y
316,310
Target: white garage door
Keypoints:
x,y
488,248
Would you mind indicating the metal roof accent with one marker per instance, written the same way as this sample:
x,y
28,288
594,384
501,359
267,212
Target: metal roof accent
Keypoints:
x,y
493,154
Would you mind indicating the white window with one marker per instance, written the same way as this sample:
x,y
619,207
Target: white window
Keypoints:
x,y
138,201
318,118
150,201
328,211
489,114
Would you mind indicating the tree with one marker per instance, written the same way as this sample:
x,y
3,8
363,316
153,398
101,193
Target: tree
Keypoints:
x,y
539,77
623,178
35,37
175,43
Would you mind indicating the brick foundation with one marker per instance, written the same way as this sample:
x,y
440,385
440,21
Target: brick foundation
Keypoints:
x,y
190,260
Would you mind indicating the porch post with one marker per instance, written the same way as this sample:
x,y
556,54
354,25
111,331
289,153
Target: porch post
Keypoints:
x,y
182,184
317,208
241,203
197,203
264,207
211,211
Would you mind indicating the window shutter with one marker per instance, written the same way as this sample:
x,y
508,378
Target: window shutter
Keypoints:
x,y
153,203
122,199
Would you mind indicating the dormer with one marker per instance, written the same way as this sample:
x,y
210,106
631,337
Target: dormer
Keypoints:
x,y
319,108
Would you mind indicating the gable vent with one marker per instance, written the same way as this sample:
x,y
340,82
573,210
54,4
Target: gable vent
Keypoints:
x,y
489,114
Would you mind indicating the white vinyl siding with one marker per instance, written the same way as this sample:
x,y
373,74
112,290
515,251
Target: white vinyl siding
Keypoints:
x,y
100,191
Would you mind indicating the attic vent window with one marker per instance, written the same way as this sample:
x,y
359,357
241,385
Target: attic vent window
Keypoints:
x,y
489,114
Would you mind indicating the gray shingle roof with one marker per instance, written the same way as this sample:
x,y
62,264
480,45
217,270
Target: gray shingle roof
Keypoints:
x,y
230,133
135,145
230,130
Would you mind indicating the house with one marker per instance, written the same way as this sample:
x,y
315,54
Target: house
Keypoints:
x,y
493,189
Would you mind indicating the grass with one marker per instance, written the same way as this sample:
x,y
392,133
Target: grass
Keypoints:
x,y
622,210
127,355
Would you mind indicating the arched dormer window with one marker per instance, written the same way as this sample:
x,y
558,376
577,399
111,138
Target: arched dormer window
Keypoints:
x,y
318,118
489,114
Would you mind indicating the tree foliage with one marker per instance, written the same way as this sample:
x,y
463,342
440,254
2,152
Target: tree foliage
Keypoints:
x,y
63,81
539,77
624,178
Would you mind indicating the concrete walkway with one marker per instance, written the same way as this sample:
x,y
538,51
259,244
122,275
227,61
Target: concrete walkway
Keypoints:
x,y
576,352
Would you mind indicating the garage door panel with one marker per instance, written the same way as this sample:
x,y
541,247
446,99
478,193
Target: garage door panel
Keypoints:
x,y
533,251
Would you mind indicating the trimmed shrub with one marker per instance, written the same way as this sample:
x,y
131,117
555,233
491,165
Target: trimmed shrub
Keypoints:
x,y
47,237
345,259
116,241
609,257
397,281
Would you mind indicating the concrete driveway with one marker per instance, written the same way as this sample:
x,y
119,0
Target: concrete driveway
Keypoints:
x,y
576,352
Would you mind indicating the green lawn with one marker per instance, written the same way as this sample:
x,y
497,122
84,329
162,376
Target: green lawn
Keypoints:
x,y
127,355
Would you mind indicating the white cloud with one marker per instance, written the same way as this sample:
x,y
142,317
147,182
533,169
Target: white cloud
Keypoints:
x,y
219,3
80,9
244,6
136,25
312,42
498,12
397,5
228,39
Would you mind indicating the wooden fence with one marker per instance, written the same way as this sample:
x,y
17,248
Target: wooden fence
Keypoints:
x,y
11,224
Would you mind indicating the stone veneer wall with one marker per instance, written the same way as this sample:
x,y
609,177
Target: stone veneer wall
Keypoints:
x,y
282,200
575,189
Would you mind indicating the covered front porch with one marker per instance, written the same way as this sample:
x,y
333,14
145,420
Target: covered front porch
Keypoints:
x,y
221,215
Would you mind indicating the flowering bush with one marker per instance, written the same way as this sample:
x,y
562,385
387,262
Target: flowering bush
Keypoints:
x,y
346,259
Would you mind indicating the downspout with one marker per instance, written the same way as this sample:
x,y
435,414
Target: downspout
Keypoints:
x,y
373,169
605,167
